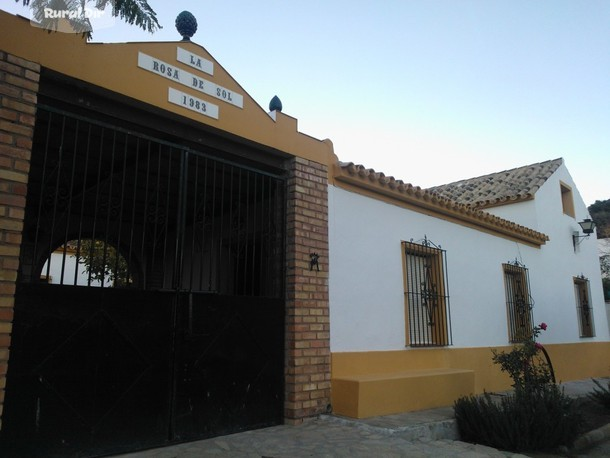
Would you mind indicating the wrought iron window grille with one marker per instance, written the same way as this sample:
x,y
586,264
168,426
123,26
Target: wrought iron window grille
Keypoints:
x,y
585,315
519,302
426,293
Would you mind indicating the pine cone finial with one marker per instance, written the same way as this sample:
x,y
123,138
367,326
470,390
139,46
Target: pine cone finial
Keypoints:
x,y
186,24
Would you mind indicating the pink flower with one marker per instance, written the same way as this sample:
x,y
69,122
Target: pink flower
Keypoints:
x,y
543,326
539,346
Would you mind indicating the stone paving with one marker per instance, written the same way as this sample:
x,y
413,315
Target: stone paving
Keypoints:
x,y
321,438
430,433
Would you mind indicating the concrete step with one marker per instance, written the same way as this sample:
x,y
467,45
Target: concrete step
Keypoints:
x,y
431,424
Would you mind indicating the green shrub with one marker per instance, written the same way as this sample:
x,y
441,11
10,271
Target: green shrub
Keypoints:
x,y
540,420
601,395
528,364
537,416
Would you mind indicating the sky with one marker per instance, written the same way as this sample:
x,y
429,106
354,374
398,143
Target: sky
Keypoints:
x,y
427,91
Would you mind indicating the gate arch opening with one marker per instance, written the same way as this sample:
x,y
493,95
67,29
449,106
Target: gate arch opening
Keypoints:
x,y
88,262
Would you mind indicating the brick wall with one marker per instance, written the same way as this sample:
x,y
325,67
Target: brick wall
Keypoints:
x,y
307,321
18,92
307,365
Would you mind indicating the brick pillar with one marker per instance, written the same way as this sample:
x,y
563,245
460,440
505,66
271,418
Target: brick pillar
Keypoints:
x,y
307,368
18,92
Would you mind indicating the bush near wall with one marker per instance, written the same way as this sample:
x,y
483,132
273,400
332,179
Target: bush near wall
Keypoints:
x,y
537,416
540,422
601,394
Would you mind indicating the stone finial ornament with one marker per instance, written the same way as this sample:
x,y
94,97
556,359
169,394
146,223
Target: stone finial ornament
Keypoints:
x,y
186,24
275,104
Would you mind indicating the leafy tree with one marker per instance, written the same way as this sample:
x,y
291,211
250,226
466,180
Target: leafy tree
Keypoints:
x,y
600,213
136,12
103,262
604,262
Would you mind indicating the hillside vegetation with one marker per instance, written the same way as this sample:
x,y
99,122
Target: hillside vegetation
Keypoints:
x,y
600,213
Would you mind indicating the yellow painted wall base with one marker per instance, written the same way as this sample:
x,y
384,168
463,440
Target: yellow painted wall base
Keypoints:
x,y
366,384
363,396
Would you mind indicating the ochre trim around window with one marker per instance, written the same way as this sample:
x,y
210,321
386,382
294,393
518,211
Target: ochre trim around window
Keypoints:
x,y
427,317
567,199
583,306
519,302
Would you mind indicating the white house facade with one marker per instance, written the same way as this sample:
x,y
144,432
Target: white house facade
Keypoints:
x,y
374,221
265,282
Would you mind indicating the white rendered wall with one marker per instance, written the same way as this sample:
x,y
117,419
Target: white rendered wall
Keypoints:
x,y
523,213
552,273
366,277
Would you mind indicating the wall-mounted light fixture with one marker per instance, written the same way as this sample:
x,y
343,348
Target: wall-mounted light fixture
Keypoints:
x,y
587,226
313,261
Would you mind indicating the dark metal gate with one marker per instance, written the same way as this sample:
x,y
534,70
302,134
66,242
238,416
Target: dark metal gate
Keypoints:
x,y
150,306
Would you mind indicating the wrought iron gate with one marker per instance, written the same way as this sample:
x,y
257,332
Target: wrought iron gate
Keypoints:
x,y
150,302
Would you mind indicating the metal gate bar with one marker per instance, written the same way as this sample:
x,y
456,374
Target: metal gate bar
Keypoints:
x,y
165,266
427,294
107,201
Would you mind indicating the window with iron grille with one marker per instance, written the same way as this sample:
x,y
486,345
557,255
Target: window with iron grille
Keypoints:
x,y
519,302
583,306
428,320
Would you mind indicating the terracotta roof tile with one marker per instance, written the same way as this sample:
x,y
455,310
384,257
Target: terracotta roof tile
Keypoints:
x,y
432,203
499,188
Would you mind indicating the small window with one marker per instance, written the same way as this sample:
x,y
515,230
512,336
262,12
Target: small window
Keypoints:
x,y
519,303
567,200
426,295
583,305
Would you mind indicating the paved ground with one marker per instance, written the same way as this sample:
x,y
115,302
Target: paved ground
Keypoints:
x,y
320,438
430,433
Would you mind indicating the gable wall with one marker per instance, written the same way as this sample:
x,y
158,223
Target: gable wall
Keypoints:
x,y
570,262
114,66
559,257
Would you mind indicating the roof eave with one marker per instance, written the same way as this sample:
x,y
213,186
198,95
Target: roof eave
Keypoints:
x,y
356,178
